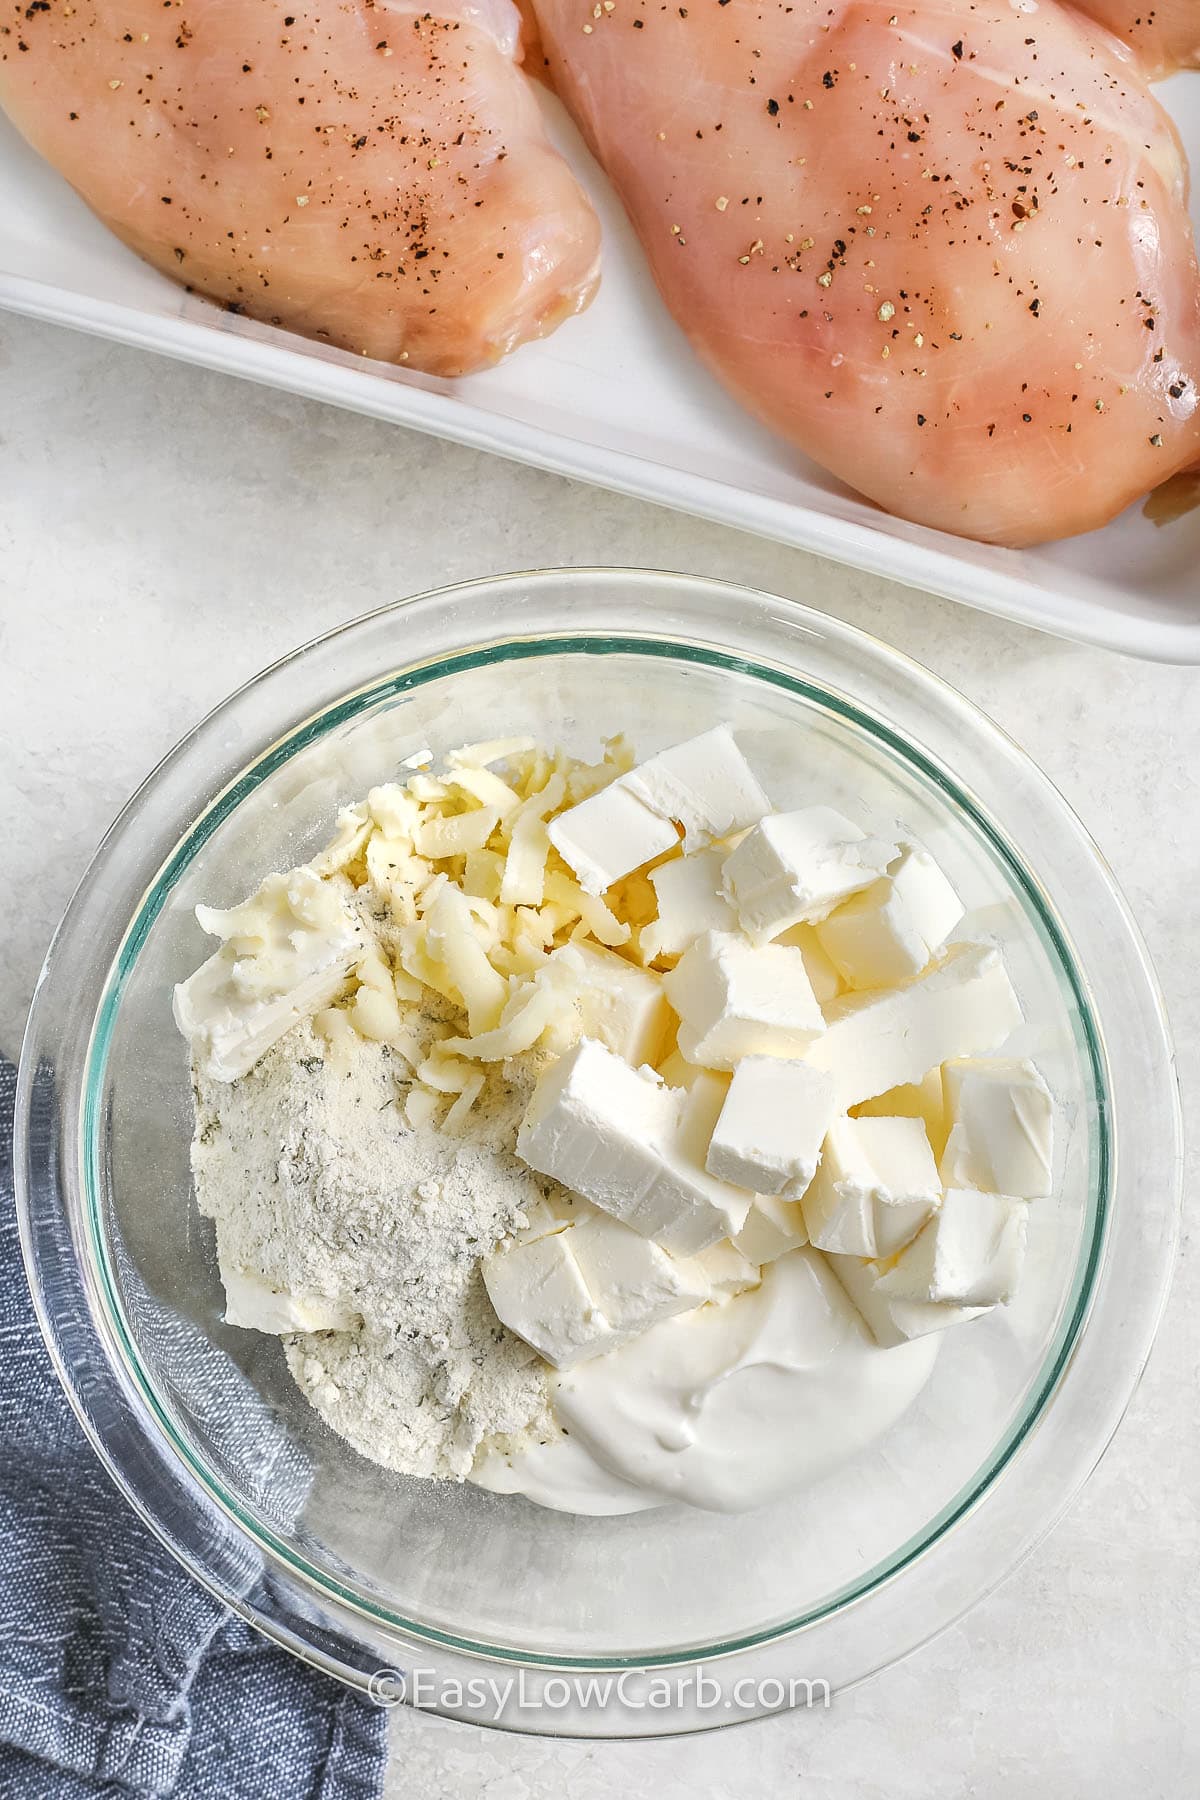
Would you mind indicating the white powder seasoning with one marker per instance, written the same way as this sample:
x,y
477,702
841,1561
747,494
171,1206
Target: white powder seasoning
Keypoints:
x,y
320,1187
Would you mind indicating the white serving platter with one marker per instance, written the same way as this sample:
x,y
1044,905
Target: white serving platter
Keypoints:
x,y
617,398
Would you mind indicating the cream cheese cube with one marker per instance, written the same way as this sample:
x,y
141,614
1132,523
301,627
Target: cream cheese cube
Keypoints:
x,y
735,1001
922,1100
704,1095
621,1006
254,1305
727,1270
891,930
970,1252
894,1322
860,1278
599,1126
706,785
588,1288
549,1213
703,1098
608,836
827,984
631,1280
963,1005
772,1124
287,952
620,1138
691,900
875,1188
795,867
918,1318
537,1289
773,1227
678,1072
1001,1128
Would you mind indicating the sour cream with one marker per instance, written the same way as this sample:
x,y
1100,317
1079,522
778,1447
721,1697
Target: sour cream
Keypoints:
x,y
725,1408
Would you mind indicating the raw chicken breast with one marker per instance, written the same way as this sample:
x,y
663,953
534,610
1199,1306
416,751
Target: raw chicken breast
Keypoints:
x,y
942,247
367,172
1164,33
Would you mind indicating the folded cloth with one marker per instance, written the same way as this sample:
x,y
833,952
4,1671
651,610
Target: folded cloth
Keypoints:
x,y
118,1673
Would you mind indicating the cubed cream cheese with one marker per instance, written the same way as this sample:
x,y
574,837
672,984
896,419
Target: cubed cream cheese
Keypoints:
x,y
963,1005
287,952
772,1123
691,900
632,1280
773,1227
891,930
918,1318
727,1270
875,1188
795,867
704,1096
827,984
970,1252
538,1291
589,1287
626,1142
608,835
678,1072
706,785
734,1000
890,1321
860,1277
548,1214
913,1100
254,1305
1001,1128
621,1006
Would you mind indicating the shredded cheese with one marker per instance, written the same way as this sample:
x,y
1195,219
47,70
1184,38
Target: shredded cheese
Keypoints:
x,y
482,911
455,835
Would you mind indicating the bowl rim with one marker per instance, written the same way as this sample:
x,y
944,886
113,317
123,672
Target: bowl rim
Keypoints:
x,y
1061,1354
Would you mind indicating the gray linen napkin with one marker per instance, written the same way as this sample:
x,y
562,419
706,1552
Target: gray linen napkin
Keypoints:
x,y
119,1674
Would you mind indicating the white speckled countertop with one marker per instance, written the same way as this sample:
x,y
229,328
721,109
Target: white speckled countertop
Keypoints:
x,y
164,533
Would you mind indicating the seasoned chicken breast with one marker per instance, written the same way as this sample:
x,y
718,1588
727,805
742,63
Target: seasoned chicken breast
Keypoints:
x,y
368,172
942,247
1164,33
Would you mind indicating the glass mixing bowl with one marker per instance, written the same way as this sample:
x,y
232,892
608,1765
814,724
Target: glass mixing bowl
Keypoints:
x,y
362,1570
